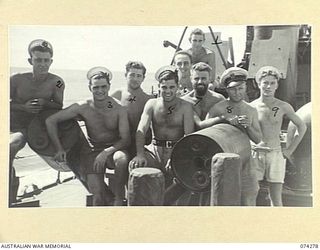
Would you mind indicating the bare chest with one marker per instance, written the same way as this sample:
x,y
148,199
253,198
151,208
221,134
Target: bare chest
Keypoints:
x,y
232,110
168,116
202,106
101,119
27,91
200,57
272,114
134,103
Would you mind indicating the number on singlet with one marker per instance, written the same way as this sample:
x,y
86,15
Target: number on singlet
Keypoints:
x,y
110,105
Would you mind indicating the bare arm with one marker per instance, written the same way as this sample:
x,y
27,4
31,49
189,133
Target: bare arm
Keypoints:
x,y
301,129
140,160
53,120
14,105
57,99
143,126
124,133
253,129
187,119
213,117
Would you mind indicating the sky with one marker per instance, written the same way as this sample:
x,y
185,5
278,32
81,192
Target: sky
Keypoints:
x,y
83,47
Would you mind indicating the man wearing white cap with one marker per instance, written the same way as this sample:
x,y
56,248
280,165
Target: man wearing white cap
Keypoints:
x,y
237,112
31,93
201,97
108,135
271,111
169,117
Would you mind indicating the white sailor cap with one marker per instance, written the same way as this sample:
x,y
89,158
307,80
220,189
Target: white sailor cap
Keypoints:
x,y
268,70
40,43
99,72
233,76
165,69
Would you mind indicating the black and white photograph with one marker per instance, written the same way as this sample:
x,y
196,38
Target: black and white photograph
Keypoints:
x,y
208,115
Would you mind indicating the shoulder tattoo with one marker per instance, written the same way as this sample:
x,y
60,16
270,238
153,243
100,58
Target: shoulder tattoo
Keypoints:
x,y
59,84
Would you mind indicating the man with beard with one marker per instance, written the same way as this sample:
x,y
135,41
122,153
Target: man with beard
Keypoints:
x,y
31,93
182,61
108,135
237,112
133,97
170,119
270,156
201,97
200,53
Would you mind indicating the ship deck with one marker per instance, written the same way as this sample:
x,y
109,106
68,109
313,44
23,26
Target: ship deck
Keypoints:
x,y
41,185
39,182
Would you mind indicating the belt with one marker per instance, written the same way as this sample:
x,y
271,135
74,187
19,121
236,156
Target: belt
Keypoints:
x,y
163,143
98,146
264,149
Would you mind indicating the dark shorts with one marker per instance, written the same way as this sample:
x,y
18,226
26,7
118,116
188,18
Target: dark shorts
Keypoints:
x,y
88,155
89,152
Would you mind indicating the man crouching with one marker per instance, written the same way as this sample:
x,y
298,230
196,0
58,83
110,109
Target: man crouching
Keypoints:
x,y
108,134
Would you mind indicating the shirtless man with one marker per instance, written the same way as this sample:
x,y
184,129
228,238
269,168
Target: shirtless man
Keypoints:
x,y
271,111
30,93
200,53
182,61
108,131
201,97
133,97
170,119
237,112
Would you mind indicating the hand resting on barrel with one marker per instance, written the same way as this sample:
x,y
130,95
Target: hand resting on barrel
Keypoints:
x,y
138,161
233,120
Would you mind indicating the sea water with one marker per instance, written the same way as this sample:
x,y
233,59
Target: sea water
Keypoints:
x,y
76,83
29,166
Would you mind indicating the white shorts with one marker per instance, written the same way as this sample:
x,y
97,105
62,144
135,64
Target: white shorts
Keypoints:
x,y
270,165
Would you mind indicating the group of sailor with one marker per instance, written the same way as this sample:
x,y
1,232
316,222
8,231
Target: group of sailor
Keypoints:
x,y
131,129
